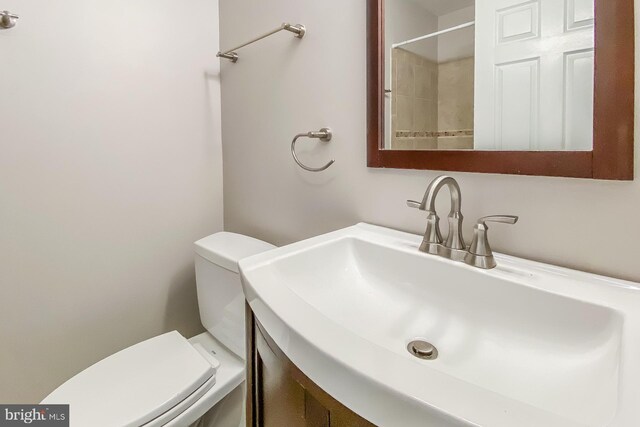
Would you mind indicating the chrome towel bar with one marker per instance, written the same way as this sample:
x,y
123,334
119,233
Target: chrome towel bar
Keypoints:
x,y
299,30
324,135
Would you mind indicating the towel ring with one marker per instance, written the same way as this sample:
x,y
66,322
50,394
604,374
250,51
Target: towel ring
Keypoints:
x,y
324,135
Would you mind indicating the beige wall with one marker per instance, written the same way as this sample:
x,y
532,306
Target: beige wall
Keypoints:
x,y
457,44
110,168
285,86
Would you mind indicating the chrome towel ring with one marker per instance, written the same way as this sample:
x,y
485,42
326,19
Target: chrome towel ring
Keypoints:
x,y
324,135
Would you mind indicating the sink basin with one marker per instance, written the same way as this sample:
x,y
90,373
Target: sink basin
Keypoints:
x,y
524,344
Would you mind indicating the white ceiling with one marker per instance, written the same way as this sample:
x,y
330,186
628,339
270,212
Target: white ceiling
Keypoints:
x,y
442,7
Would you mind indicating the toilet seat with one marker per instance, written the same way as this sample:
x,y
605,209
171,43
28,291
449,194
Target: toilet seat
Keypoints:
x,y
177,410
147,384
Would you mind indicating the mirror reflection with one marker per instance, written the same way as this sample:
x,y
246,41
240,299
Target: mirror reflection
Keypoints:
x,y
505,75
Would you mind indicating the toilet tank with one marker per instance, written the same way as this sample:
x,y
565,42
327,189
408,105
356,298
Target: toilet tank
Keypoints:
x,y
220,296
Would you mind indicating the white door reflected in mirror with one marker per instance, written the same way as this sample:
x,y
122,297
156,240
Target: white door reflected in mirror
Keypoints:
x,y
504,75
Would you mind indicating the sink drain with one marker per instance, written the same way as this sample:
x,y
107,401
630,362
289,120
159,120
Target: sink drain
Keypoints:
x,y
423,350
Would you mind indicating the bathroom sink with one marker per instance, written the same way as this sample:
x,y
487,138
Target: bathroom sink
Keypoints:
x,y
524,344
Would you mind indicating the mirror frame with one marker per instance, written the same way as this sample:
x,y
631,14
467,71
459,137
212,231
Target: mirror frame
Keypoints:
x,y
612,157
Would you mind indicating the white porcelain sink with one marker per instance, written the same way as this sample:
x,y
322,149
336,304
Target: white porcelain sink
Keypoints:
x,y
524,344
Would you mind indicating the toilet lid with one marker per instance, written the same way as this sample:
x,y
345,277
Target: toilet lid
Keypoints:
x,y
135,385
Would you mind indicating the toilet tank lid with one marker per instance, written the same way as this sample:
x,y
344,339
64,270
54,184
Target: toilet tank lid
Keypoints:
x,y
226,249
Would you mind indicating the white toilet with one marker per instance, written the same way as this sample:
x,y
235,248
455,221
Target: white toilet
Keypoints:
x,y
169,380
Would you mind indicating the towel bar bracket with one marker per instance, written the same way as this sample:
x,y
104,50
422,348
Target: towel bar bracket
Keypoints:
x,y
7,20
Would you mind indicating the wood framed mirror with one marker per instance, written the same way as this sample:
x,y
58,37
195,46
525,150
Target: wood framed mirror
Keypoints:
x,y
610,153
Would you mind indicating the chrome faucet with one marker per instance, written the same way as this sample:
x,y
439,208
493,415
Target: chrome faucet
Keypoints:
x,y
479,253
454,247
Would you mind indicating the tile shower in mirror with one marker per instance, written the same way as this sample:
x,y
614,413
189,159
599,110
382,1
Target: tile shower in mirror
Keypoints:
x,y
487,77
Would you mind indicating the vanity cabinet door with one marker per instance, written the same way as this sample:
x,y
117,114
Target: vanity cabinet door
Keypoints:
x,y
281,399
280,395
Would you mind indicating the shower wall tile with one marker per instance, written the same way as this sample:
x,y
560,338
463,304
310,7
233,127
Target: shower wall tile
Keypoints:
x,y
405,111
405,78
431,104
456,95
455,143
414,93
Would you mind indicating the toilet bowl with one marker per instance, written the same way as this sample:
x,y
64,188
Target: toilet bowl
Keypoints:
x,y
170,380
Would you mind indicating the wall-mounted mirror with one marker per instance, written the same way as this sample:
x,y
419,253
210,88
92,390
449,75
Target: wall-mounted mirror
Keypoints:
x,y
541,87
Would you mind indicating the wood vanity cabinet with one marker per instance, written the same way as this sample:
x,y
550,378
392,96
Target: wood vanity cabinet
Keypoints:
x,y
280,395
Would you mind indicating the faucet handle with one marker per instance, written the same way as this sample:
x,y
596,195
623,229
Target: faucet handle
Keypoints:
x,y
480,253
505,219
413,204
432,237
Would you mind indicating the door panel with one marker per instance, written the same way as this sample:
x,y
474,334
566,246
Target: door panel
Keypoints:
x,y
580,13
516,115
578,102
535,80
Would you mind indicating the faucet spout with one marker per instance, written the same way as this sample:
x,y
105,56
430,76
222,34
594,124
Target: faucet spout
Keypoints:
x,y
433,241
429,199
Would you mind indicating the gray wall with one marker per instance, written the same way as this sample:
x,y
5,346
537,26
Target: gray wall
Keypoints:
x,y
283,86
110,167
